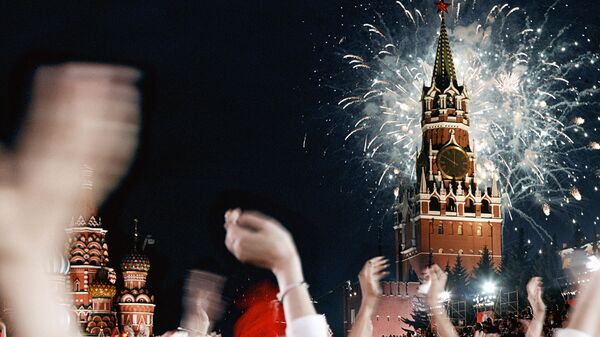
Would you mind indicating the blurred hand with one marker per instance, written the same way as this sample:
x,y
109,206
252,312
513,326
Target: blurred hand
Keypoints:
x,y
584,316
257,239
535,291
370,279
202,302
438,280
79,114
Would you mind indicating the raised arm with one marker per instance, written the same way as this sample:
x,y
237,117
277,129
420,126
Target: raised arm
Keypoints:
x,y
202,302
584,320
438,284
257,239
535,292
79,114
370,285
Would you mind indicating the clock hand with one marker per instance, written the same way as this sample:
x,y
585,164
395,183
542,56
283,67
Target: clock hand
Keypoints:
x,y
452,161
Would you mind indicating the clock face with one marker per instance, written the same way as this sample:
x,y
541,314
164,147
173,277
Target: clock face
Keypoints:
x,y
453,162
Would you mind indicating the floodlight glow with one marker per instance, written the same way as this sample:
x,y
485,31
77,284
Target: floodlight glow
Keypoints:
x,y
489,287
593,263
445,296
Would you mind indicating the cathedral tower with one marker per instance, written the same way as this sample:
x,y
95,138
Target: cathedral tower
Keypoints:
x,y
136,303
103,318
454,213
87,252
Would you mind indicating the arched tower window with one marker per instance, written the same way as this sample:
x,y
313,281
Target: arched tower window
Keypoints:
x,y
469,206
76,285
459,230
450,205
434,204
440,228
479,230
485,206
450,101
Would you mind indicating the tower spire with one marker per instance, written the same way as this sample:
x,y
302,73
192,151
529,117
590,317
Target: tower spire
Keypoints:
x,y
135,234
423,187
495,192
443,71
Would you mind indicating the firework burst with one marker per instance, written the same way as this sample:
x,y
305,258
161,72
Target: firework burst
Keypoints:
x,y
532,85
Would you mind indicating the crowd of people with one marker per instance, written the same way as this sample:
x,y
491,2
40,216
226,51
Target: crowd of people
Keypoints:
x,y
89,113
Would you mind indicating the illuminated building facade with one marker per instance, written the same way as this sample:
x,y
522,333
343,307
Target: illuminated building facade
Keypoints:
x,y
98,306
91,282
135,302
450,212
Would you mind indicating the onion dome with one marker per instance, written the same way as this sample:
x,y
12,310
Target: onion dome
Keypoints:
x,y
58,264
101,287
135,262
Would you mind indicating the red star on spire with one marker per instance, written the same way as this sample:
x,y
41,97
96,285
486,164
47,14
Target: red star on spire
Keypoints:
x,y
442,6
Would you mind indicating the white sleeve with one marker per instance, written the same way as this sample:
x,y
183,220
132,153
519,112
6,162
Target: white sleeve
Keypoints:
x,y
308,326
570,333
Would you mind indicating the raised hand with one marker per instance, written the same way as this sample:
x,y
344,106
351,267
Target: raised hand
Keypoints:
x,y
370,278
535,291
262,241
202,301
370,285
79,114
438,279
583,318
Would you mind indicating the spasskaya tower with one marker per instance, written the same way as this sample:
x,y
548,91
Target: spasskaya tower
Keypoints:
x,y
455,212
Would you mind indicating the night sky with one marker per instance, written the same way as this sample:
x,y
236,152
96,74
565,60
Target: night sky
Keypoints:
x,y
229,95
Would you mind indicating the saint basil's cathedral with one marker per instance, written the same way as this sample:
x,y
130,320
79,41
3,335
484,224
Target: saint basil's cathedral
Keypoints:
x,y
98,307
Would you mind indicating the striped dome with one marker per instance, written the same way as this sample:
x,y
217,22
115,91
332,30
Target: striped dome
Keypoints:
x,y
58,264
135,262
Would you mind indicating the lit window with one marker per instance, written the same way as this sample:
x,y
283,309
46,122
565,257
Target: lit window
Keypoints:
x,y
459,231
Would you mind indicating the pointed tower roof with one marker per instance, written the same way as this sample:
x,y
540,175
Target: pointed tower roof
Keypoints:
x,y
495,192
87,203
423,187
443,71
